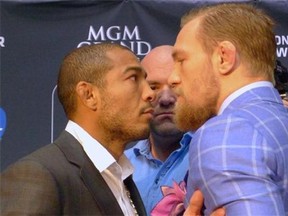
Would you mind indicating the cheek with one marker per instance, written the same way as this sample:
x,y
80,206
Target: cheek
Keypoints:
x,y
155,102
127,94
195,89
190,80
189,71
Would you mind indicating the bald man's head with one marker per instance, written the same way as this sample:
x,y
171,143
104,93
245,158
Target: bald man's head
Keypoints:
x,y
159,56
159,64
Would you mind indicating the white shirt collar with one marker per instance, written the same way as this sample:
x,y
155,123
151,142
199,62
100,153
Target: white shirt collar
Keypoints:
x,y
99,155
240,91
113,172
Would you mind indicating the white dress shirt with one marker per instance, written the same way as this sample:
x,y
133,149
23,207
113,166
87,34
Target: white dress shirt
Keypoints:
x,y
112,171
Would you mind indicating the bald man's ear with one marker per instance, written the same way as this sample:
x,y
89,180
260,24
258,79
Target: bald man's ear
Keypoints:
x,y
226,57
88,94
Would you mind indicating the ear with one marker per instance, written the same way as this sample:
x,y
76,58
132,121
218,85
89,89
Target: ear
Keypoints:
x,y
88,94
226,55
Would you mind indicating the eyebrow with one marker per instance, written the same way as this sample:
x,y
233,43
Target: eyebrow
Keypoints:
x,y
152,82
176,53
137,69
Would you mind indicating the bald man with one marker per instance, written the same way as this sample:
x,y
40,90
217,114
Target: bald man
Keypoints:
x,y
160,161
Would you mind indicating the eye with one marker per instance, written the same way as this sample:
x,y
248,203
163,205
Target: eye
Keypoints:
x,y
153,87
180,61
133,77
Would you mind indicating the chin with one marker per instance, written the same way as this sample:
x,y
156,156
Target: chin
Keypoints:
x,y
165,129
139,134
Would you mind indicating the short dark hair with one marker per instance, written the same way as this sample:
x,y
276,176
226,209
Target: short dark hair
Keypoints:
x,y
87,63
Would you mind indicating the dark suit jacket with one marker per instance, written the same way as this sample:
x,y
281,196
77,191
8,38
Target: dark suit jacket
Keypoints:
x,y
59,179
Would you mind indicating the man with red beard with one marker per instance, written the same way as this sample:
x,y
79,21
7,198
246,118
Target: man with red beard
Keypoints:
x,y
224,65
161,161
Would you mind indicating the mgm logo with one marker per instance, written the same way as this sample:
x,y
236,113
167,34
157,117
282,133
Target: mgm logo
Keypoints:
x,y
129,37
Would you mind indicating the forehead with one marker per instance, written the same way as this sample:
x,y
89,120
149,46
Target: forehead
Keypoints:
x,y
123,61
159,68
186,39
122,56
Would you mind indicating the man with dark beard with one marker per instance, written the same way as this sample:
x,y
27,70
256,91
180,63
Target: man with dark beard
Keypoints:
x,y
224,61
161,161
108,103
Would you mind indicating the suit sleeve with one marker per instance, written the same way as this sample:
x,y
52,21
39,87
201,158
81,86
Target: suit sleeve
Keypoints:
x,y
28,188
234,167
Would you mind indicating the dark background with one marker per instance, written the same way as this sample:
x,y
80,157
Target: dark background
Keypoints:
x,y
35,36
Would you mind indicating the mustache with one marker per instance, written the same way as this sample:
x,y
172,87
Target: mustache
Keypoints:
x,y
147,109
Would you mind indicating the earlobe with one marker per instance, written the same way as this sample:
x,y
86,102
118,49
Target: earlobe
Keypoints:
x,y
226,57
87,94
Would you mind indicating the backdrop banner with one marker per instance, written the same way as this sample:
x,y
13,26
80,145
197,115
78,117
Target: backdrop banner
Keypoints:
x,y
36,35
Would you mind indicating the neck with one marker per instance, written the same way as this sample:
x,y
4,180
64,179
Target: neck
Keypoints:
x,y
239,79
162,147
114,145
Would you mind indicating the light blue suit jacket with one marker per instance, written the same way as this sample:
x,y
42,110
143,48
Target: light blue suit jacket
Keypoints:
x,y
239,159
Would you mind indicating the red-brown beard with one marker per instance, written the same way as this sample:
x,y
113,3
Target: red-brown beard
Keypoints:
x,y
191,115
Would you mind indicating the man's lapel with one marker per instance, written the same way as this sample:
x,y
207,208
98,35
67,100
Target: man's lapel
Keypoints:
x,y
135,196
99,189
91,177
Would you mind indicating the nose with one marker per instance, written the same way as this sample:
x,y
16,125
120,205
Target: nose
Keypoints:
x,y
148,94
174,79
166,98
